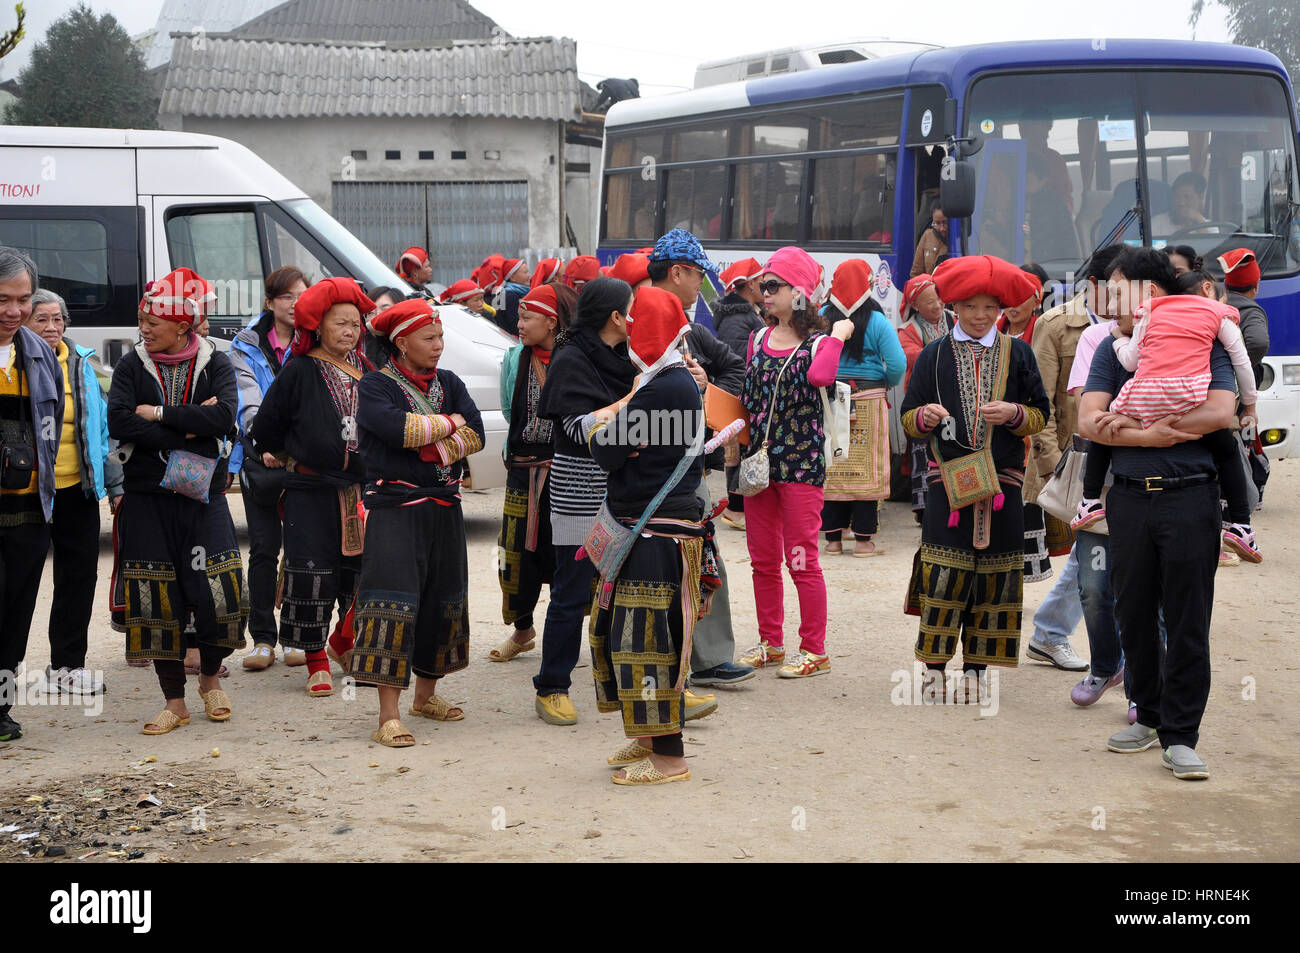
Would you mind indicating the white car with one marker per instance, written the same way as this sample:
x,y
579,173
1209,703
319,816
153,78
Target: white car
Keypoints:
x,y
102,211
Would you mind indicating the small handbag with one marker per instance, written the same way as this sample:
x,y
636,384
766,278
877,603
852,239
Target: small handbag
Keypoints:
x,y
18,460
755,470
190,474
610,541
969,478
973,476
1061,494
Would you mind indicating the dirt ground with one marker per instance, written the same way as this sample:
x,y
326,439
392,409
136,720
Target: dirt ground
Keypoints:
x,y
840,767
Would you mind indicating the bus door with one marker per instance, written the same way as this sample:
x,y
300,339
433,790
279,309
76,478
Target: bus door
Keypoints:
x,y
926,150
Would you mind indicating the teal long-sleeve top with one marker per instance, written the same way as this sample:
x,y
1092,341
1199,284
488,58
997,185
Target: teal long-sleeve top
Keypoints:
x,y
882,355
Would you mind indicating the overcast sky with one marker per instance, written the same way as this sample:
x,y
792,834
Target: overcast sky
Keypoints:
x,y
662,50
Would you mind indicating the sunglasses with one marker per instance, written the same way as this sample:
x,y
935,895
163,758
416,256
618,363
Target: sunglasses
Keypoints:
x,y
771,286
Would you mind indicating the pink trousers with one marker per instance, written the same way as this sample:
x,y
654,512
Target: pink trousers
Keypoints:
x,y
783,521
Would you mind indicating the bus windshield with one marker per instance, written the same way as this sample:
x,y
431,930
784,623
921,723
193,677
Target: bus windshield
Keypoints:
x,y
1057,174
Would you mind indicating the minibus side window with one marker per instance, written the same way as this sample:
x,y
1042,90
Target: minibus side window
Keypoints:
x,y
71,257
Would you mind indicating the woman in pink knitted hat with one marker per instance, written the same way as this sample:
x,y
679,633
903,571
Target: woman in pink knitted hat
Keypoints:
x,y
787,362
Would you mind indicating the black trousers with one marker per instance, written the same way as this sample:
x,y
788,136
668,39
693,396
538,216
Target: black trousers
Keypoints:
x,y
22,558
862,516
264,536
1164,551
74,533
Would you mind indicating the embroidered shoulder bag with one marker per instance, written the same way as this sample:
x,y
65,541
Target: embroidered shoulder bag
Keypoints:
x,y
973,477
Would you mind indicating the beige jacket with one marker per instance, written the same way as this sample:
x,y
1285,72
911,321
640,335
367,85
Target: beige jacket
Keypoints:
x,y
1056,338
930,247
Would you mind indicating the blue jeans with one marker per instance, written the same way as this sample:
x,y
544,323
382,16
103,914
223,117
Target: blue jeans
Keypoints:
x,y
562,635
1092,555
1060,612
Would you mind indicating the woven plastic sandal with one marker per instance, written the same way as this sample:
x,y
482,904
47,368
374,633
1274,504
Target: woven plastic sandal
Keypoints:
x,y
165,722
438,709
389,734
295,657
262,657
216,700
644,772
509,649
320,685
630,753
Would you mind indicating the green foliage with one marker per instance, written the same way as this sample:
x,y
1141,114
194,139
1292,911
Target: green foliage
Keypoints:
x,y
11,38
86,72
1272,25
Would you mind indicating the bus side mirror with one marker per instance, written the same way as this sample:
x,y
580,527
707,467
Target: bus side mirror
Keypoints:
x,y
949,118
957,188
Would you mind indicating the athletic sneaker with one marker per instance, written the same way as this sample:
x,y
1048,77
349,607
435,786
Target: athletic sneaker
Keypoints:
x,y
1062,656
74,681
1090,511
1133,739
728,673
1240,538
804,665
1093,687
1185,763
763,654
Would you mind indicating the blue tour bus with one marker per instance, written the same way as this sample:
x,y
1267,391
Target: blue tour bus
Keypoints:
x,y
1068,143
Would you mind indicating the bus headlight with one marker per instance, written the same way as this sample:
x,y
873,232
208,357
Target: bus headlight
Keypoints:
x,y
1272,437
1291,374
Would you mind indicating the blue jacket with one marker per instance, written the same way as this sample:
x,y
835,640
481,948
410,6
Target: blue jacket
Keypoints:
x,y
45,387
100,474
882,355
254,372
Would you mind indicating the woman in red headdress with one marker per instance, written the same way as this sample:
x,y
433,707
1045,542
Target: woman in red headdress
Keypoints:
x,y
416,268
925,319
417,426
645,610
172,408
308,424
974,394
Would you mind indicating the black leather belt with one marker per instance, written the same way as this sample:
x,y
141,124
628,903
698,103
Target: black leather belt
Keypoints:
x,y
1155,484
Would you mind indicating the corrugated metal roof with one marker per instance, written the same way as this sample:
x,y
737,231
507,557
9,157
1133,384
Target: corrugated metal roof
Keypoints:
x,y
190,16
406,23
232,78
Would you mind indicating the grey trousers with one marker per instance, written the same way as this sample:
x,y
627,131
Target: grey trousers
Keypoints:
x,y
714,642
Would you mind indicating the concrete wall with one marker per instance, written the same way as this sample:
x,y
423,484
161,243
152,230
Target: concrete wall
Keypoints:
x,y
312,154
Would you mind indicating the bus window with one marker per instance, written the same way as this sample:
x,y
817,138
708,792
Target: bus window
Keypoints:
x,y
774,135
630,208
853,198
865,124
767,200
698,144
631,149
71,257
694,197
221,245
1220,155
1058,164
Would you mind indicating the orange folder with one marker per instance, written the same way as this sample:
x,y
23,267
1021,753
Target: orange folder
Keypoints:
x,y
721,408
